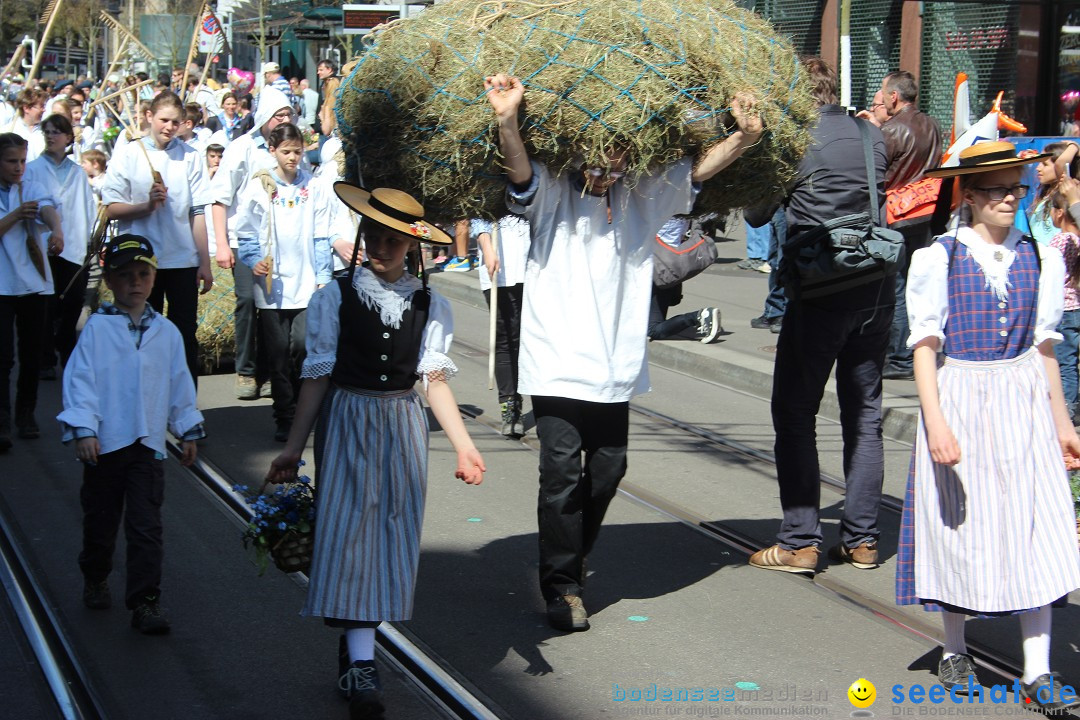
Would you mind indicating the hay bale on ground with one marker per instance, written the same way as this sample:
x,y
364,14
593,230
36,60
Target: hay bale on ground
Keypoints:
x,y
657,76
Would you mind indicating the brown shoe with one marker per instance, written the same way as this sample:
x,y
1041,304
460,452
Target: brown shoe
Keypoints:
x,y
862,556
803,560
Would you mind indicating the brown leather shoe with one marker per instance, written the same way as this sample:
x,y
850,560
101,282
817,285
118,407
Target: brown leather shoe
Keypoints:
x,y
863,556
804,560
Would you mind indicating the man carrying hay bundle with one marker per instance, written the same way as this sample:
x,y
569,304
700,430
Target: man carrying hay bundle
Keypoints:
x,y
584,319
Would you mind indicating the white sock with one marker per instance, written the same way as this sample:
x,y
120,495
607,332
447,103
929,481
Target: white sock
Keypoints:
x,y
954,634
361,643
1035,629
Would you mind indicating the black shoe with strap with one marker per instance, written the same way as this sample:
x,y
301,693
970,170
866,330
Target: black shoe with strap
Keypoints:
x,y
567,613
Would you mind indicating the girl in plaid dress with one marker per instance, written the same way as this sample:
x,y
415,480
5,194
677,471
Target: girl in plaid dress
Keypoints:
x,y
988,526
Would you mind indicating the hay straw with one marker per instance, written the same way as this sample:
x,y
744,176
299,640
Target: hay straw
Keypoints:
x,y
654,75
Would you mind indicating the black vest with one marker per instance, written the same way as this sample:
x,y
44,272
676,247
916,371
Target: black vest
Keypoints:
x,y
373,356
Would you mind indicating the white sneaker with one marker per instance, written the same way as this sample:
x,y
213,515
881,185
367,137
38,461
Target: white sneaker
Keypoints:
x,y
709,325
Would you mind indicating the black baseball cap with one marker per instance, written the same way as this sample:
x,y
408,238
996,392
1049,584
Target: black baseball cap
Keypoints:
x,y
126,248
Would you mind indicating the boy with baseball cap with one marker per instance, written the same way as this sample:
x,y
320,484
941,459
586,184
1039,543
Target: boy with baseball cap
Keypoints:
x,y
126,383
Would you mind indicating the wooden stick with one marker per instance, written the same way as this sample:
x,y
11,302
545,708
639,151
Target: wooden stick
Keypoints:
x,y
33,246
494,306
116,27
40,55
127,89
155,176
16,57
182,90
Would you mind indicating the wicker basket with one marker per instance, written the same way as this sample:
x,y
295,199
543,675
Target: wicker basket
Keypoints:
x,y
292,553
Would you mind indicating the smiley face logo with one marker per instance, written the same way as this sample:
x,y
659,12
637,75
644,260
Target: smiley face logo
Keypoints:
x,y
862,693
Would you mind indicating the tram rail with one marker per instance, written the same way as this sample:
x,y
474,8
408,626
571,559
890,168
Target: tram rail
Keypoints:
x,y
64,673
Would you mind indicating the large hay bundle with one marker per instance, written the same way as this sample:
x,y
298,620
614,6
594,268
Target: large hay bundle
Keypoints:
x,y
655,75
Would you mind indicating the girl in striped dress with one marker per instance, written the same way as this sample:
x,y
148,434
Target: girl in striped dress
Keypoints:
x,y
371,334
988,526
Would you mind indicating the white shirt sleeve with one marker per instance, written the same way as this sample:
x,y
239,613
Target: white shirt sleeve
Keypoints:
x,y
117,188
81,407
230,174
198,179
1051,301
437,338
183,415
323,329
927,294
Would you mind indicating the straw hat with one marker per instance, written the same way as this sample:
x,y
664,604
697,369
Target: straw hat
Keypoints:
x,y
986,156
395,209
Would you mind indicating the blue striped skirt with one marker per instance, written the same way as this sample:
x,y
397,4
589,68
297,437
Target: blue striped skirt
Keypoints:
x,y
995,533
371,453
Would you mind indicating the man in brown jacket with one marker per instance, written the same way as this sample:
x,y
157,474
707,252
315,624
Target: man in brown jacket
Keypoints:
x,y
912,146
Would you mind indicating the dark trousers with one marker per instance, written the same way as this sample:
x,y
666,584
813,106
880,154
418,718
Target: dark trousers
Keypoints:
x,y
283,336
130,477
682,326
179,286
582,460
811,341
22,316
900,355
507,338
62,314
244,317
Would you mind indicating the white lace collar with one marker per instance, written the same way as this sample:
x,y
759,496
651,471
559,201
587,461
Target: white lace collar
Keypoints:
x,y
390,299
994,260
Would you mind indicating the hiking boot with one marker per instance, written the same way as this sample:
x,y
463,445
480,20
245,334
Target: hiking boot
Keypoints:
x,y
265,390
709,327
804,560
762,322
1045,694
863,556
246,388
510,408
567,613
955,672
518,426
26,426
360,683
95,595
149,619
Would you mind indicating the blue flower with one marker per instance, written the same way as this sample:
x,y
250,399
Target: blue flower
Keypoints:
x,y
282,526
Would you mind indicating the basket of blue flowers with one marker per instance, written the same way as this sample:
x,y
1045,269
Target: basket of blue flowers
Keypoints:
x,y
282,525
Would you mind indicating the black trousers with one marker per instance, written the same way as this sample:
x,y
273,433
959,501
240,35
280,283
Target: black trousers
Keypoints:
x,y
247,361
812,340
582,460
62,314
22,316
283,334
681,326
900,356
507,338
179,287
130,477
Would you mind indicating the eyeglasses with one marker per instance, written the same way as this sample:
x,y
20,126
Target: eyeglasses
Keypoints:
x,y
596,173
997,194
875,106
283,115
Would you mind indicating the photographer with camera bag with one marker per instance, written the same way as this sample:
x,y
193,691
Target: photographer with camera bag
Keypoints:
x,y
838,268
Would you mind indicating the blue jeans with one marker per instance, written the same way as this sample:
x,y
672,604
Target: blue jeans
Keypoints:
x,y
1066,352
776,301
757,241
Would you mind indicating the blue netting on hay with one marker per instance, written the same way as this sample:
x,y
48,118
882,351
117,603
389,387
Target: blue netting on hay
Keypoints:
x,y
414,112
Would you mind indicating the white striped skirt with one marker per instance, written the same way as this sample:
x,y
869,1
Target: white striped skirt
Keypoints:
x,y
371,477
996,532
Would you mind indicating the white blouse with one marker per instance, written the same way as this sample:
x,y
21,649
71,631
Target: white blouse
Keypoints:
x,y
323,323
928,285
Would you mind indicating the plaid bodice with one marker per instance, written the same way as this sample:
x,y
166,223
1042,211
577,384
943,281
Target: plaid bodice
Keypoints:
x,y
979,326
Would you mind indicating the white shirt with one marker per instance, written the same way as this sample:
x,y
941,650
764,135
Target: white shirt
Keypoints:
x,y
300,214
242,158
7,114
324,322
928,285
588,283
18,276
127,394
68,185
35,139
513,250
168,228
